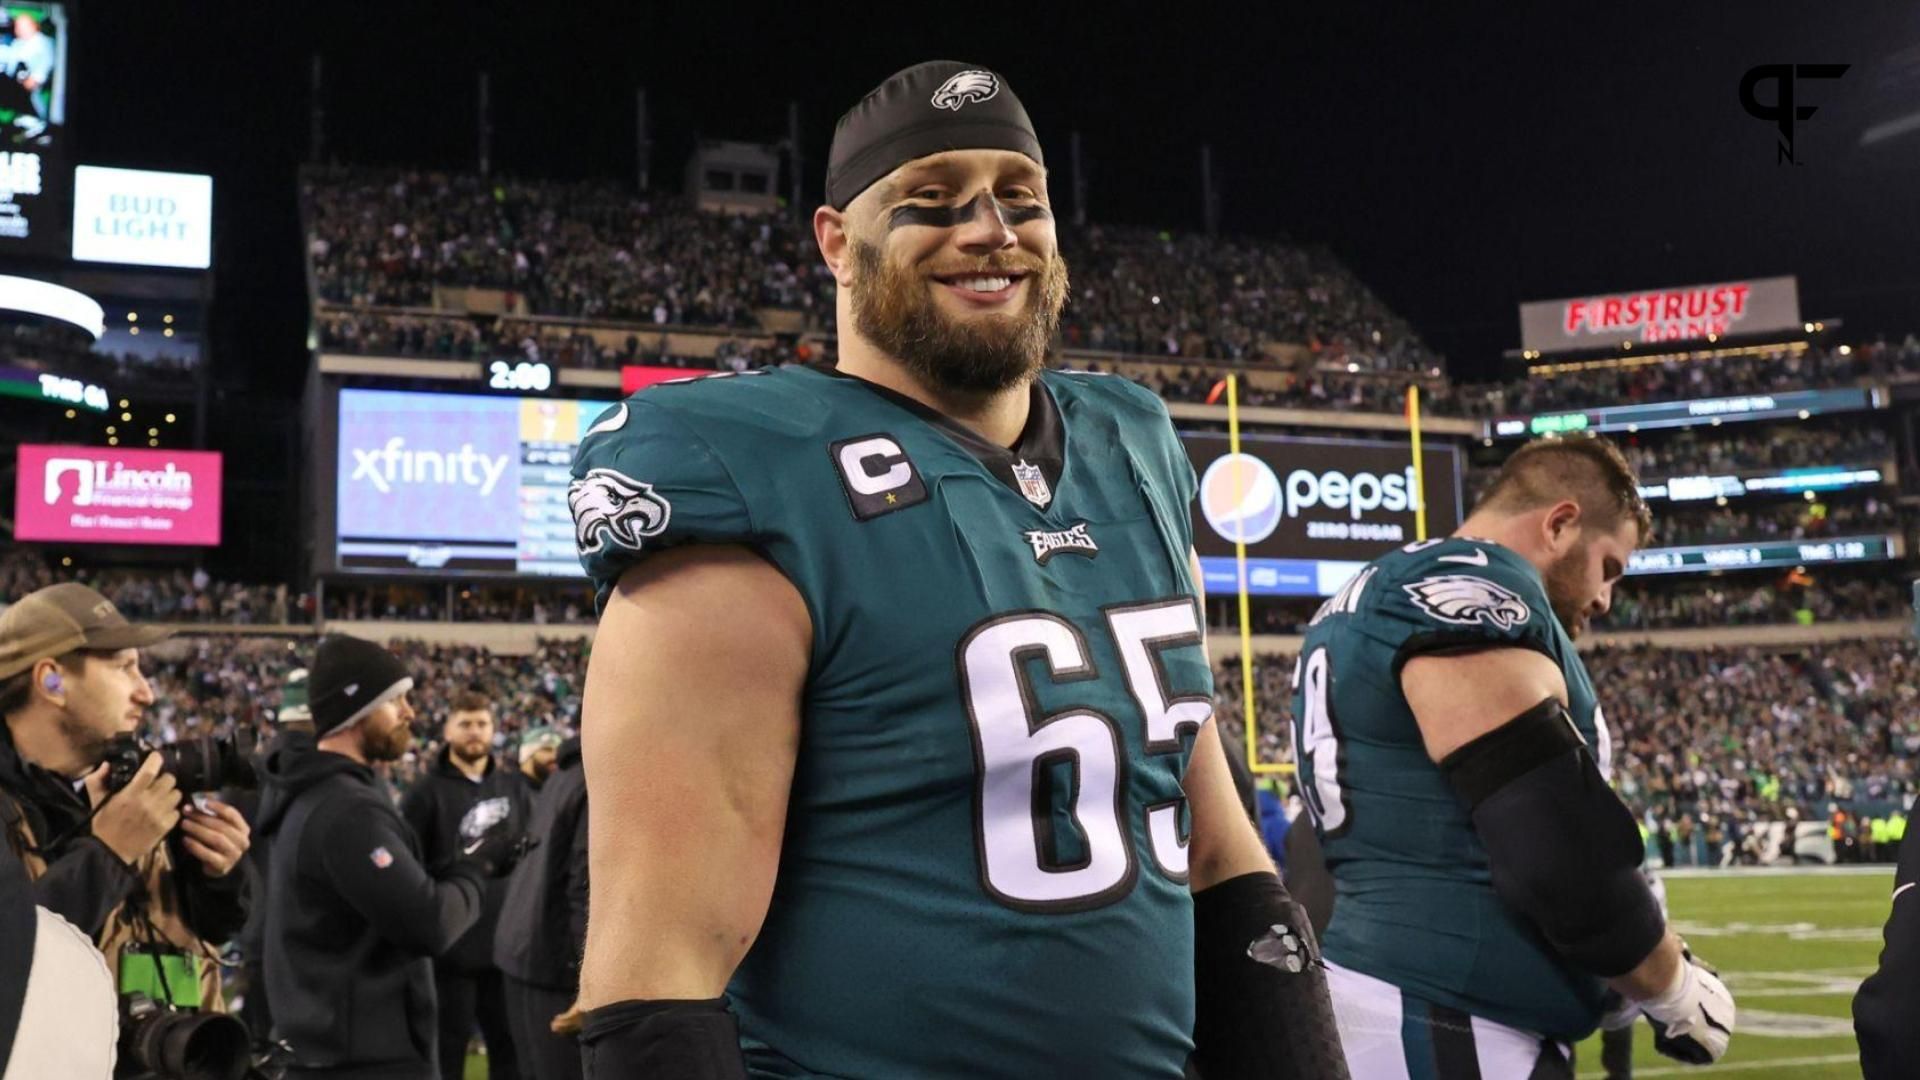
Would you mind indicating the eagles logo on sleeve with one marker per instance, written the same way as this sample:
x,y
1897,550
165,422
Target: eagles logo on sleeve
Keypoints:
x,y
966,86
1464,600
610,507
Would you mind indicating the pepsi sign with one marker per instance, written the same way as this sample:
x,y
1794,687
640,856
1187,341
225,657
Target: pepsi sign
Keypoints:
x,y
1345,500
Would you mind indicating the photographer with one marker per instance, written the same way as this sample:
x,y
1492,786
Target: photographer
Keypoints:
x,y
352,913
151,881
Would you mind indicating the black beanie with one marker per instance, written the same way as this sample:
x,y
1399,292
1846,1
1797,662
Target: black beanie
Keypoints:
x,y
349,677
931,107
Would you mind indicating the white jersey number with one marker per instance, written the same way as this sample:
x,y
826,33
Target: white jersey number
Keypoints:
x,y
1316,741
1014,750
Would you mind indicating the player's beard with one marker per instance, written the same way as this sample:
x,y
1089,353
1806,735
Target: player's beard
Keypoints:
x,y
894,308
1566,582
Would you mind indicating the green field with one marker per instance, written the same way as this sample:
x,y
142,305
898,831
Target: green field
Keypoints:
x,y
1793,946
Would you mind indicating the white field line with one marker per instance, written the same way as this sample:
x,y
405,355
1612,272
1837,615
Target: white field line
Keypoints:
x,y
1738,1066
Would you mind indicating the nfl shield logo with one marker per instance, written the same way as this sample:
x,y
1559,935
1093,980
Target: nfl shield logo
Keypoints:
x,y
1033,483
382,858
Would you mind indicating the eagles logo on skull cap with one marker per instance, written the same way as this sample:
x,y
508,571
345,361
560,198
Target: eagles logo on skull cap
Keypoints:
x,y
926,109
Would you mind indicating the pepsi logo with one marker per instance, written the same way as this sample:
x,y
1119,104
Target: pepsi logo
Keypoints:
x,y
1240,497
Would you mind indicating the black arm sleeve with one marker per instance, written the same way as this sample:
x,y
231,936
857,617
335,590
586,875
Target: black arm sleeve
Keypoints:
x,y
1884,1009
1262,1009
400,900
215,909
1562,848
85,884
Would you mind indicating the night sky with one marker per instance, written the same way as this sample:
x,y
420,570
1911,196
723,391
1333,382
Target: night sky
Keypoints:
x,y
1460,160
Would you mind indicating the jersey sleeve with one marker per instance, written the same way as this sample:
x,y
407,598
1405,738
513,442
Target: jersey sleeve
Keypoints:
x,y
1457,599
645,481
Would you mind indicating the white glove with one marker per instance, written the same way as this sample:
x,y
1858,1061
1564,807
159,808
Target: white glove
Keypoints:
x,y
1693,1020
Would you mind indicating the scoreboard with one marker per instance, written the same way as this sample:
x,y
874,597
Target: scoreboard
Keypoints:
x,y
462,484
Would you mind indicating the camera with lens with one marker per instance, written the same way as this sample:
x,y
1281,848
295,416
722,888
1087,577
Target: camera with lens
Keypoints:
x,y
164,1041
208,763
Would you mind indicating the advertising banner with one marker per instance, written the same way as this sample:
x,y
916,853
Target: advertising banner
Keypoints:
x,y
1312,511
96,495
142,218
1652,316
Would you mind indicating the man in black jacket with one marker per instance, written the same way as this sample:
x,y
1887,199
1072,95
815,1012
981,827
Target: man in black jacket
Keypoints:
x,y
119,864
462,786
543,923
352,912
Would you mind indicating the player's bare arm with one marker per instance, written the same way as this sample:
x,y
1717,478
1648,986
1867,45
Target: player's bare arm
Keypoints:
x,y
690,724
1564,850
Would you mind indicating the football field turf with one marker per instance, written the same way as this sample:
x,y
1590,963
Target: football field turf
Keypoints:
x,y
1793,945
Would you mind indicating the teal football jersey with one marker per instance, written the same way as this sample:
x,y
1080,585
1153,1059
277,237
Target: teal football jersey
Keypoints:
x,y
984,869
1414,901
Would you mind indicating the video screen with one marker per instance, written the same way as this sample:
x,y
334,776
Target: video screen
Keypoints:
x,y
33,121
457,483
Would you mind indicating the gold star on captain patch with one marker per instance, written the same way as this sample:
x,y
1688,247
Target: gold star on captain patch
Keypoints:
x,y
892,498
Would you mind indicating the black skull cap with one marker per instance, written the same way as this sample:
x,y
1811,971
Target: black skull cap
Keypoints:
x,y
925,109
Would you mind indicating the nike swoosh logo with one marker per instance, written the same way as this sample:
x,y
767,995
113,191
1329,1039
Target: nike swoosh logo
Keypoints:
x,y
612,423
1715,1024
471,848
1904,888
1478,558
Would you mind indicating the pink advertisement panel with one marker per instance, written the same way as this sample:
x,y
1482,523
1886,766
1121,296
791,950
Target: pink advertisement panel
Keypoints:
x,y
102,495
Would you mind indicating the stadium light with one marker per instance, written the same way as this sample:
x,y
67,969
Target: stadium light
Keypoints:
x,y
1846,350
133,316
111,430
168,319
44,298
134,330
71,414
169,418
1809,327
112,441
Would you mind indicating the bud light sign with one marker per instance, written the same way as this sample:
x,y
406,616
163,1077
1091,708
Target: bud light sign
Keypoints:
x,y
1312,510
90,495
143,218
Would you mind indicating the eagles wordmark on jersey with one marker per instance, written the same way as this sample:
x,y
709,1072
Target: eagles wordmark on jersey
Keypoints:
x,y
984,869
1415,901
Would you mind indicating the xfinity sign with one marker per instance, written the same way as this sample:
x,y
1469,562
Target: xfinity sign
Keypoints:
x,y
142,218
394,464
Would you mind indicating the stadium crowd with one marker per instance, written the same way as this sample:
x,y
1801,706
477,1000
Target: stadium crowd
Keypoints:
x,y
602,251
1784,446
1744,601
59,349
161,595
1783,521
590,250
